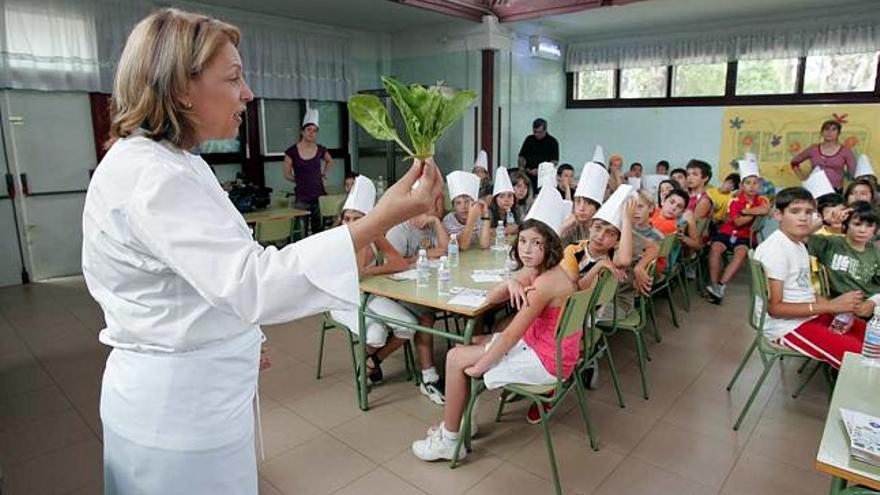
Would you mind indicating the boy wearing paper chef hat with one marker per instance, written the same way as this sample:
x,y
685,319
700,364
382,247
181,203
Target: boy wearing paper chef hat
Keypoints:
x,y
588,197
379,344
864,170
864,187
735,235
829,204
609,244
469,214
481,168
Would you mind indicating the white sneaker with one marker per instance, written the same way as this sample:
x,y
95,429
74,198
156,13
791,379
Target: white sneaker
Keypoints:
x,y
434,391
436,446
721,288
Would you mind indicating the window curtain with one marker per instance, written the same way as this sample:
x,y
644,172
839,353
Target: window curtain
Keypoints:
x,y
761,42
74,45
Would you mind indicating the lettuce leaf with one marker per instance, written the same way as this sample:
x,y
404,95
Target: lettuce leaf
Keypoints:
x,y
426,113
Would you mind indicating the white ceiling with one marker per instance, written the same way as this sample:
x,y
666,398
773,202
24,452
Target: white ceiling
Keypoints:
x,y
662,15
381,16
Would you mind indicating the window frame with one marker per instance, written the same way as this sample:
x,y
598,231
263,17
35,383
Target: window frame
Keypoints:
x,y
730,98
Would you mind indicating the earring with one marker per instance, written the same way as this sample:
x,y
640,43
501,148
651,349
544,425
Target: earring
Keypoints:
x,y
188,105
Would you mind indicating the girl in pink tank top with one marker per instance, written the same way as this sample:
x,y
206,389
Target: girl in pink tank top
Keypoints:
x,y
525,351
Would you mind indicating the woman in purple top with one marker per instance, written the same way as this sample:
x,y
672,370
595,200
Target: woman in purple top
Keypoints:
x,y
303,167
829,155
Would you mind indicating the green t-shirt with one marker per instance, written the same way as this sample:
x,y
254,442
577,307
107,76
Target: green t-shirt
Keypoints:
x,y
848,269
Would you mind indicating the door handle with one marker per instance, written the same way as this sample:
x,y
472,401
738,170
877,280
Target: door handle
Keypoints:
x,y
25,189
10,186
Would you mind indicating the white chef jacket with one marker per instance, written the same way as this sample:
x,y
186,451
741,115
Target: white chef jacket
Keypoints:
x,y
183,287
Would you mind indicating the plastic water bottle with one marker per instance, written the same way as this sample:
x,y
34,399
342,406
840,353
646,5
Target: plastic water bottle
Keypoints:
x,y
841,323
380,186
452,250
423,270
500,241
444,277
871,346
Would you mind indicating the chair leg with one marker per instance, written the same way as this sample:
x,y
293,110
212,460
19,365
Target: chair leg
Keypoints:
x,y
767,367
321,350
804,366
550,452
650,311
684,287
504,395
464,430
806,380
614,378
743,363
580,388
640,347
669,297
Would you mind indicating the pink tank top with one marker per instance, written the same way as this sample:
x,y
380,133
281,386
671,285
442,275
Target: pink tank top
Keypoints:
x,y
541,337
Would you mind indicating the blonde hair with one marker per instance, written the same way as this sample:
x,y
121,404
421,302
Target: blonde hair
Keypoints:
x,y
164,52
646,197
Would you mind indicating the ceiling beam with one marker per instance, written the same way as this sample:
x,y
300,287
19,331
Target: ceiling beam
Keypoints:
x,y
510,10
473,10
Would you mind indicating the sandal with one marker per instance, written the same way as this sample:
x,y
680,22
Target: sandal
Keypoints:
x,y
375,375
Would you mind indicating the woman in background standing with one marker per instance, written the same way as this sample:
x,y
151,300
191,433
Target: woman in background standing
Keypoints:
x,y
303,167
829,155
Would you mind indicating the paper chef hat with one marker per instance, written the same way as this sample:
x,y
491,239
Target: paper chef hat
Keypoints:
x,y
482,161
863,167
612,210
463,183
818,184
751,157
549,209
748,168
599,155
362,196
593,181
311,117
636,182
502,182
546,175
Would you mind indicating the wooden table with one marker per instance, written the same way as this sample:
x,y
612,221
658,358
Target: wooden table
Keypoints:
x,y
407,291
276,213
857,388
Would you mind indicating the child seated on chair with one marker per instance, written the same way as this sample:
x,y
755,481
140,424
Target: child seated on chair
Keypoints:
x,y
501,208
852,260
588,198
797,317
525,352
735,234
425,231
469,215
830,206
379,345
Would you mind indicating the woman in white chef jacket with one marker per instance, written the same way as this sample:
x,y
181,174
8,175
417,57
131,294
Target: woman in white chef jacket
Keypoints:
x,y
182,284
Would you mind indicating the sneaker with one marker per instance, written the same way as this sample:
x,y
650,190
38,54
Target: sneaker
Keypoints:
x,y
691,273
436,446
533,417
713,294
721,288
376,375
434,391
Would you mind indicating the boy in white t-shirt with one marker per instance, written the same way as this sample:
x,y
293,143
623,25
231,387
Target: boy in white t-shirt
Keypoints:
x,y
797,317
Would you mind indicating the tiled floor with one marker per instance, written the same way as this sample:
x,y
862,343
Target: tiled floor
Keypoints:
x,y
318,442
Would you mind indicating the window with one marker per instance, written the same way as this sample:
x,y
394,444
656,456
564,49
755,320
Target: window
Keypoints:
x,y
766,77
595,85
643,82
699,79
840,73
43,39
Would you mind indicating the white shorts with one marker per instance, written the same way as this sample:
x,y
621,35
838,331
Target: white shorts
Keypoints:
x,y
519,365
377,333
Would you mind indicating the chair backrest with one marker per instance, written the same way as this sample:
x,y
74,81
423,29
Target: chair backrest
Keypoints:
x,y
665,250
702,225
824,281
330,205
759,293
758,227
270,231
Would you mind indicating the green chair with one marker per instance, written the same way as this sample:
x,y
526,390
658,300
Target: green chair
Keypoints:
x,y
330,207
578,307
274,232
858,490
769,352
663,281
635,324
697,261
328,323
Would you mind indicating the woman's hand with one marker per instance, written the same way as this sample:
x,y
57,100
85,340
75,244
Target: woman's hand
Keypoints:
x,y
412,195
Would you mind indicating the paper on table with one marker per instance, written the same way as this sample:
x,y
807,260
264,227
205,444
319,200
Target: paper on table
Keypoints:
x,y
484,279
411,274
467,291
467,300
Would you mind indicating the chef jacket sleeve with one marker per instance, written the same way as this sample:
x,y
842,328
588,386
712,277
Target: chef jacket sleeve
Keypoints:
x,y
191,227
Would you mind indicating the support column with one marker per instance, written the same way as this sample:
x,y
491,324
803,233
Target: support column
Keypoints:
x,y
487,105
